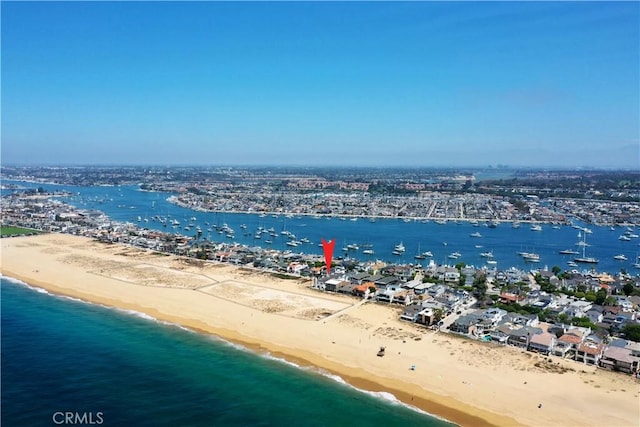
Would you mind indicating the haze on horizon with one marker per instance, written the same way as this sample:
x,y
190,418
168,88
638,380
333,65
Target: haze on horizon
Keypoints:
x,y
368,84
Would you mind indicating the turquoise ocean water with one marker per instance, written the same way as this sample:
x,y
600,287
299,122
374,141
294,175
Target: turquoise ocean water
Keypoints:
x,y
120,368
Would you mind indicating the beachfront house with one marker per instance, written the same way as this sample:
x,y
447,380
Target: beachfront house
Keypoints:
x,y
465,323
386,295
542,343
567,344
621,359
411,313
386,281
346,287
590,351
516,335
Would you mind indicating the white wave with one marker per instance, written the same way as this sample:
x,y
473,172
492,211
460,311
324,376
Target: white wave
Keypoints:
x,y
21,283
382,395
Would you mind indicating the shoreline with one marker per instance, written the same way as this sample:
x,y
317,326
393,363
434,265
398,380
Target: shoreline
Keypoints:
x,y
284,337
431,408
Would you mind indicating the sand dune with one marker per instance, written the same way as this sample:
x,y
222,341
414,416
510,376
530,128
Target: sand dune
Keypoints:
x,y
468,382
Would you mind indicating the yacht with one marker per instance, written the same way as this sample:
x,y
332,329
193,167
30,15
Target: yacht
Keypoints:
x,y
585,259
399,248
620,257
569,252
368,252
487,254
536,227
531,257
476,234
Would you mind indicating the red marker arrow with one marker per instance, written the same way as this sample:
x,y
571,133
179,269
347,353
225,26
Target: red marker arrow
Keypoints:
x,y
327,247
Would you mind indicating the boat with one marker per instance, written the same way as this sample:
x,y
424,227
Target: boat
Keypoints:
x,y
515,224
399,248
572,264
492,262
368,252
536,227
584,259
476,234
455,255
569,252
620,257
624,237
486,254
531,257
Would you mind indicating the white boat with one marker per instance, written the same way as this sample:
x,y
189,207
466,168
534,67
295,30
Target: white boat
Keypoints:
x,y
368,252
476,234
531,257
585,259
620,257
569,252
399,248
487,254
492,262
536,227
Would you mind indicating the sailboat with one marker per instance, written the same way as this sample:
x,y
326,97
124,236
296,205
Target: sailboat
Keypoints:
x,y
584,258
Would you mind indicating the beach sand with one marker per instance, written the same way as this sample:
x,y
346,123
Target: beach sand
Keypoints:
x,y
467,382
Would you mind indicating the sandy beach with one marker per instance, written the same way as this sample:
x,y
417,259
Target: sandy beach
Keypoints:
x,y
467,382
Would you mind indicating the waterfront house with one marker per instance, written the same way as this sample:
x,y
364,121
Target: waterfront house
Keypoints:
x,y
515,335
590,351
465,323
426,316
411,313
331,285
542,343
346,287
567,344
384,282
387,295
619,359
363,289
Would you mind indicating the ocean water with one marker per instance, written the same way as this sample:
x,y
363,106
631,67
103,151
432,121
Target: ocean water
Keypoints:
x,y
129,204
117,368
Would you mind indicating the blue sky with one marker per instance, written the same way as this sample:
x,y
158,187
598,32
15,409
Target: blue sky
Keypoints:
x,y
396,84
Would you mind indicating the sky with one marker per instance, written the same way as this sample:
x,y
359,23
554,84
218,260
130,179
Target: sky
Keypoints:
x,y
553,84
